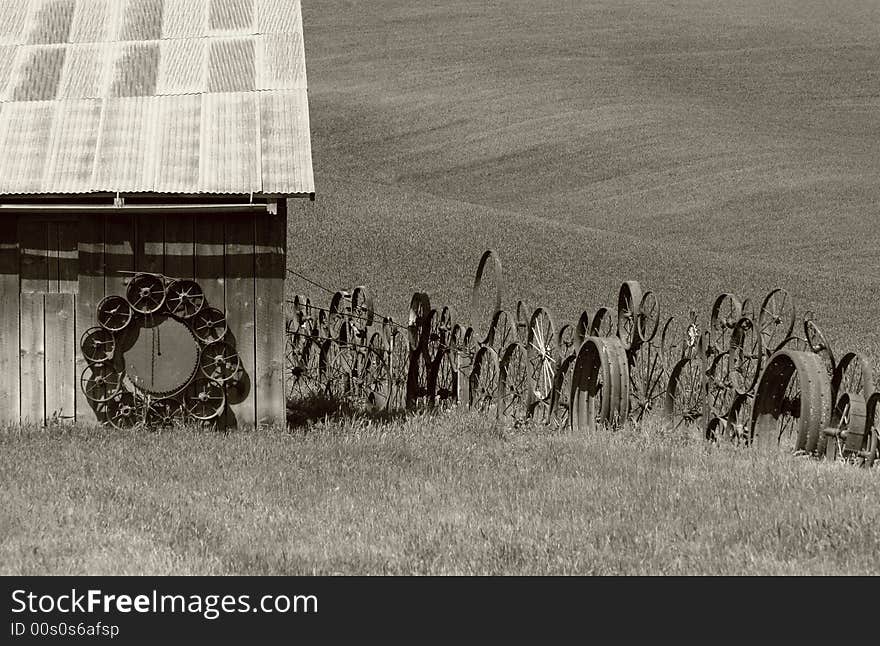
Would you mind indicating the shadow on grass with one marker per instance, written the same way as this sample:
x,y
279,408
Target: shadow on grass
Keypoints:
x,y
304,413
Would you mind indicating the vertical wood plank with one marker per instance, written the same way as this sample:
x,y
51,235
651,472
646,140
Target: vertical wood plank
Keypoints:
x,y
10,387
270,245
150,243
91,291
118,252
209,265
53,273
33,236
68,256
33,359
180,245
61,383
239,270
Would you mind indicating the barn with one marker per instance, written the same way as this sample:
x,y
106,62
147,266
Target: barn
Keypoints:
x,y
147,152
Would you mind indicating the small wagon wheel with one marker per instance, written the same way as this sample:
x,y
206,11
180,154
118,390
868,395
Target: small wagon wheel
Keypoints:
x,y
219,361
377,377
720,392
582,329
739,418
792,402
484,378
522,321
209,325
114,313
817,343
566,343
746,356
419,313
726,312
303,375
362,306
542,356
146,293
628,300
648,319
185,298
163,413
776,320
100,382
445,326
398,356
481,304
435,340
515,387
647,374
671,344
502,332
338,369
443,381
417,395
846,434
602,324
98,345
853,374
686,393
204,399
560,403
125,411
748,309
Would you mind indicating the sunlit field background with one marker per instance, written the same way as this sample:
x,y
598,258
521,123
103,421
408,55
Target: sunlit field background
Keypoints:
x,y
696,146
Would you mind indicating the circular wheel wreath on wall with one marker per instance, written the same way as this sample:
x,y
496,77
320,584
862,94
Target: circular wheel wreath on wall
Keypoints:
x,y
158,355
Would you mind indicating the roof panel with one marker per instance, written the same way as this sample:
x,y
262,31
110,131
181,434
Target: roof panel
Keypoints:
x,y
136,70
24,138
12,21
7,63
181,66
141,20
184,18
126,158
72,146
84,75
231,65
50,21
94,21
231,16
279,17
178,143
286,150
36,72
229,156
282,62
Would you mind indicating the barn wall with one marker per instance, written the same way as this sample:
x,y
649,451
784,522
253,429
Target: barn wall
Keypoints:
x,y
239,259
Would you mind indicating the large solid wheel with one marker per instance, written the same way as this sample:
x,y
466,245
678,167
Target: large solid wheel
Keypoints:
x,y
845,435
853,374
602,323
600,384
793,401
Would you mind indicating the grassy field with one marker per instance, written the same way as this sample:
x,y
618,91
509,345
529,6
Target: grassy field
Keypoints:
x,y
424,495
696,146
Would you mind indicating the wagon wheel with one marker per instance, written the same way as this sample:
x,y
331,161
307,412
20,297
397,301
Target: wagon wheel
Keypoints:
x,y
582,328
219,361
185,298
560,403
515,387
486,299
484,378
602,324
443,381
398,357
300,305
648,319
303,373
853,374
417,395
209,325
726,312
647,380
377,376
739,418
339,371
163,413
686,393
542,353
464,350
628,299
566,343
114,313
362,307
671,344
776,320
445,326
871,447
98,345
419,313
100,382
204,399
600,384
502,332
748,309
436,339
746,356
846,434
793,401
125,411
816,342
720,392
146,293
522,322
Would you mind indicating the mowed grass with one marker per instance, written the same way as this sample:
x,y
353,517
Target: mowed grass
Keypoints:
x,y
453,494
697,146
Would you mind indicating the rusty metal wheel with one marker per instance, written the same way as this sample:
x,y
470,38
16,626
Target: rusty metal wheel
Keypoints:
x,y
362,307
443,381
184,298
542,355
146,293
219,361
816,342
686,393
398,358
776,320
339,371
853,374
515,387
204,399
419,320
739,418
746,356
163,413
582,329
560,404
484,379
720,392
793,402
114,313
100,382
502,332
648,381
845,435
209,325
726,313
628,300
648,319
600,384
522,322
566,342
125,411
377,373
303,372
417,395
486,295
437,339
671,344
98,345
602,324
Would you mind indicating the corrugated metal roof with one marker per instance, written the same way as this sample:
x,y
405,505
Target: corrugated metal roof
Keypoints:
x,y
158,96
